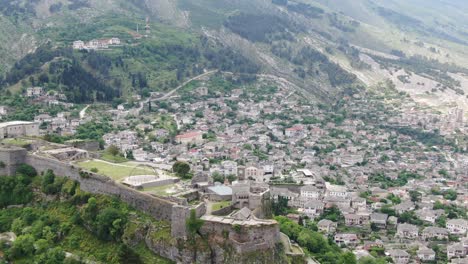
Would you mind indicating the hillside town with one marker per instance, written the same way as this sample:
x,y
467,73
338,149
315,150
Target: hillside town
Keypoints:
x,y
396,191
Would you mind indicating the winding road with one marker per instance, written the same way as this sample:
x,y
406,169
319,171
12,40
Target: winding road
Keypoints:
x,y
83,112
171,92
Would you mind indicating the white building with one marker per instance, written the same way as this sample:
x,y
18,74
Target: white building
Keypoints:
x,y
457,226
34,91
78,45
18,129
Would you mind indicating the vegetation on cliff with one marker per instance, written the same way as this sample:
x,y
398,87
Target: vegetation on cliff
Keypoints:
x,y
323,249
56,222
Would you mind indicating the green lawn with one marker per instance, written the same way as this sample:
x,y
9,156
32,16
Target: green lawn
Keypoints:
x,y
115,171
220,205
163,190
17,142
114,159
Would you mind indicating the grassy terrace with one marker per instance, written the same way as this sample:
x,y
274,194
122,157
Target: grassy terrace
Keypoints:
x,y
165,190
115,171
19,142
220,205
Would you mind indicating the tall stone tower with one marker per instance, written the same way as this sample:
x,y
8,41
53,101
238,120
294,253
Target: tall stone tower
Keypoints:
x,y
10,158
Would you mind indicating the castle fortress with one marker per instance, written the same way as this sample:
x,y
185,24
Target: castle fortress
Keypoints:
x,y
254,235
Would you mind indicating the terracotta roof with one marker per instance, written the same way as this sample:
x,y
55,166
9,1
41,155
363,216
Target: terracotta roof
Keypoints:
x,y
189,134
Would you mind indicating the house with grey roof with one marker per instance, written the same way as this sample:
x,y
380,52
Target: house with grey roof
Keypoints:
x,y
327,226
426,254
379,220
310,192
456,250
407,231
457,226
343,239
432,232
313,208
404,207
399,256
429,215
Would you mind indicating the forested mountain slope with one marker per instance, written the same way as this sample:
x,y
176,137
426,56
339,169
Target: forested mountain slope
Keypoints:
x,y
324,47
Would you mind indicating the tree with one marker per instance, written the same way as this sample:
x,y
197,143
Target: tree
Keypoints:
x,y
52,256
23,246
110,224
193,223
113,150
280,206
332,214
371,260
348,258
181,168
217,177
450,195
26,170
48,183
415,196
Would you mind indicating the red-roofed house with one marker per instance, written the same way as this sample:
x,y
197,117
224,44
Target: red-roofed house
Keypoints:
x,y
194,137
295,131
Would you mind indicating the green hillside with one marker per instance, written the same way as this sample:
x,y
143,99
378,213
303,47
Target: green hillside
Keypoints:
x,y
55,222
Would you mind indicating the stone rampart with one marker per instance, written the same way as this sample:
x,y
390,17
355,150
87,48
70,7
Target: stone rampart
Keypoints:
x,y
244,235
10,158
94,183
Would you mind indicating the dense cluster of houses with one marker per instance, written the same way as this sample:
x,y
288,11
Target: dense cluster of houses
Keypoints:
x,y
269,143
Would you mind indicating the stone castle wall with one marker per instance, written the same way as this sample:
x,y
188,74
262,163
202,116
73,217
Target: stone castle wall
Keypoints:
x,y
244,236
252,236
10,158
179,228
94,183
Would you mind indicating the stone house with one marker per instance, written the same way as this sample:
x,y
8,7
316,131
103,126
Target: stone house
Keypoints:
x,y
407,231
358,202
229,167
457,226
313,208
356,219
34,91
327,226
456,250
335,190
340,202
431,232
404,207
310,192
42,118
349,240
254,173
429,215
399,256
378,219
426,254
